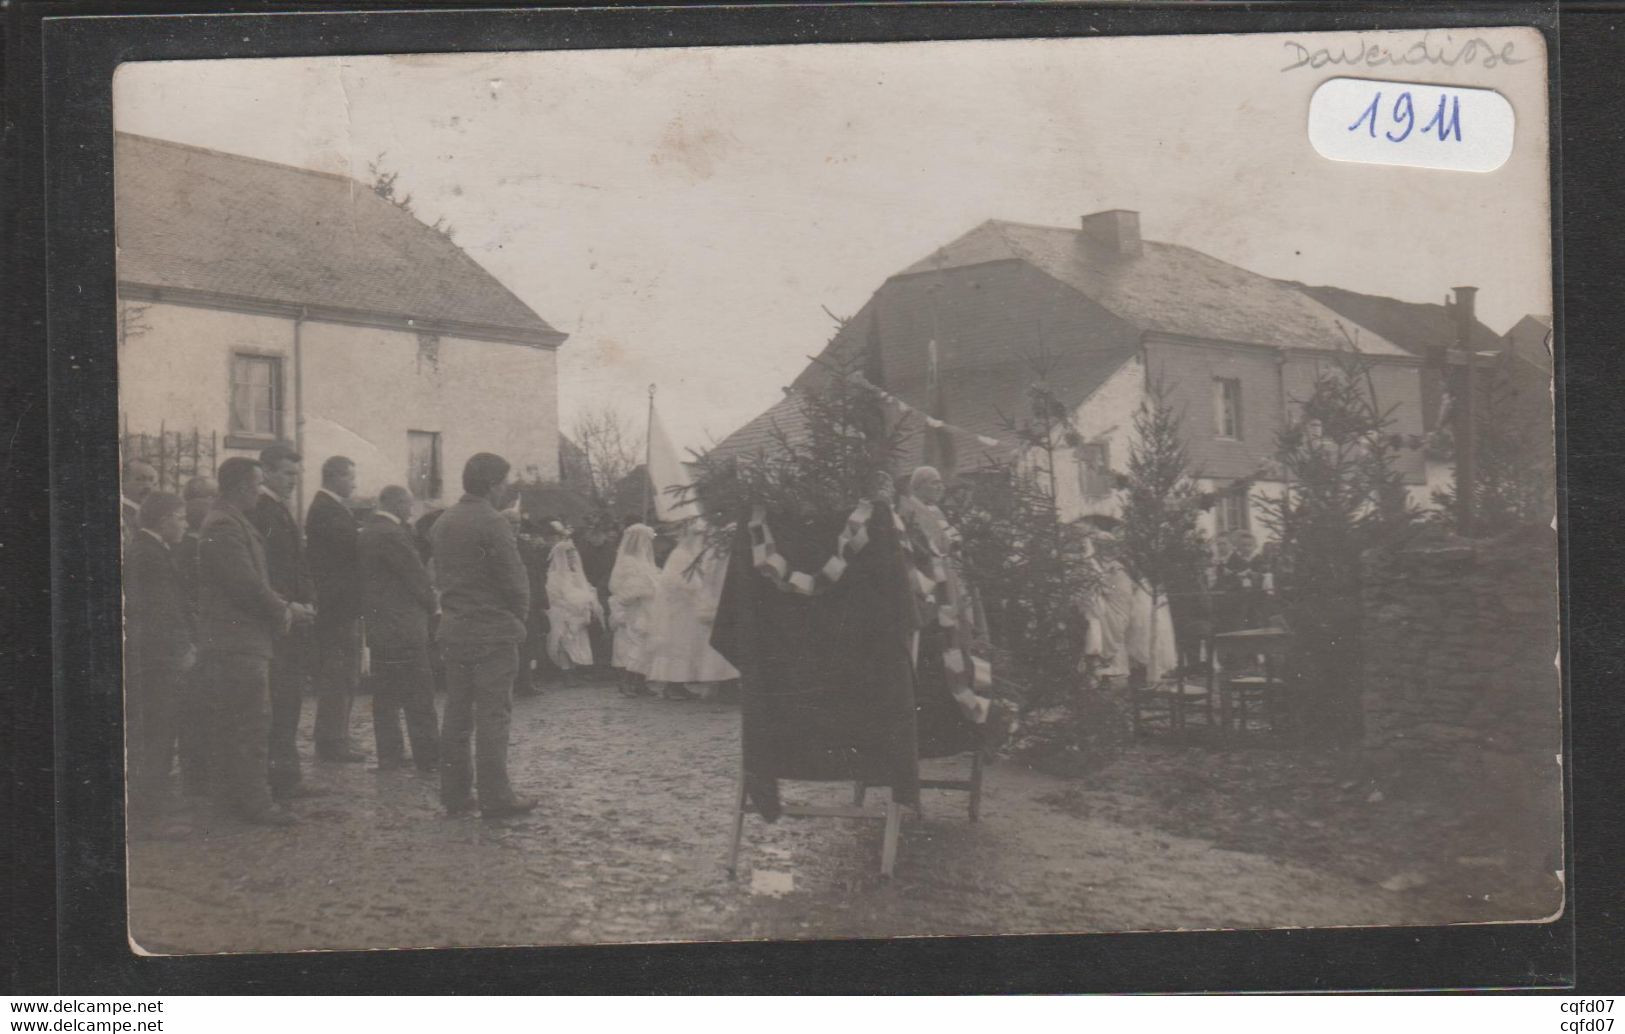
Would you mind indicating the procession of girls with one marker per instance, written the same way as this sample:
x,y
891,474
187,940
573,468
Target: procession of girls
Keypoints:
x,y
650,621
650,618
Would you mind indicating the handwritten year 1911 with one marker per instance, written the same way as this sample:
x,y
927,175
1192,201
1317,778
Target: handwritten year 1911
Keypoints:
x,y
1402,116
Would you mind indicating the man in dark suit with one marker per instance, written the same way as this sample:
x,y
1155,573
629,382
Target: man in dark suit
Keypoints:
x,y
159,654
199,494
485,596
285,558
240,616
397,600
330,537
139,478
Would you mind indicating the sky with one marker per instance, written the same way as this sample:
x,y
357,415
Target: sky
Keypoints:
x,y
687,215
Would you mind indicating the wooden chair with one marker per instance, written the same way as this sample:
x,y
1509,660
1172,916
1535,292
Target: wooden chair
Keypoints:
x,y
1257,695
1171,703
891,814
972,784
1174,704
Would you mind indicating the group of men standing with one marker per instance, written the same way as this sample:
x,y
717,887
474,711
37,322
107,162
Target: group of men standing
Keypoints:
x,y
232,608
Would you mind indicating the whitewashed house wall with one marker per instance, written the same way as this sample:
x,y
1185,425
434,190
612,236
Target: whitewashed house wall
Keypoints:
x,y
379,326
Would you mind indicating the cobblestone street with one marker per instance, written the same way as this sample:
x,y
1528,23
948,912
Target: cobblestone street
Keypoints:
x,y
630,840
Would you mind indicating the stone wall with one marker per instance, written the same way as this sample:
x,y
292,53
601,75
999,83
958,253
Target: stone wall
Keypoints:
x,y
1460,686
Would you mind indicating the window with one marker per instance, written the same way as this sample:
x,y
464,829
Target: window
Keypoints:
x,y
1094,470
256,396
1231,514
423,464
1227,407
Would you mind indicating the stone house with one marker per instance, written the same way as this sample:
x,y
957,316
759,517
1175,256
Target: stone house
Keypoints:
x,y
262,302
1417,327
1515,368
1107,316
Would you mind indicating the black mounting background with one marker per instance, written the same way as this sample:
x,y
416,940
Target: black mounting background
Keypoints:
x,y
63,914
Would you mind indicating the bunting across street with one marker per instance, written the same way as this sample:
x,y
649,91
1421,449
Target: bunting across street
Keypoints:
x,y
857,379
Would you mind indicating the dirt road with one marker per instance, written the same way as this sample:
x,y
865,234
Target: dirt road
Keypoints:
x,y
630,842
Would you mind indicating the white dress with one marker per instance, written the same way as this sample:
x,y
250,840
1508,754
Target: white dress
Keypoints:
x,y
632,588
572,603
685,608
1120,627
1156,651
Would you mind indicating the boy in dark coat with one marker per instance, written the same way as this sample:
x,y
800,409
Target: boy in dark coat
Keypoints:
x,y
160,653
194,745
397,600
536,539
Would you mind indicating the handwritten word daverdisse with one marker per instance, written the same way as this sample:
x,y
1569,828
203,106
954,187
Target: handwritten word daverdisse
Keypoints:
x,y
1476,50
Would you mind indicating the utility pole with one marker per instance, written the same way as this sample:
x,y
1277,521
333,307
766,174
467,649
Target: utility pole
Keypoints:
x,y
1467,446
648,457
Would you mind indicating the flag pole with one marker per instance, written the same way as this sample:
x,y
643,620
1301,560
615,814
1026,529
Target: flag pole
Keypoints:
x,y
648,457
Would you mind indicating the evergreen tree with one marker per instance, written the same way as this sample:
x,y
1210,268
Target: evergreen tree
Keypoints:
x,y
813,474
1516,469
1344,493
1030,571
1160,543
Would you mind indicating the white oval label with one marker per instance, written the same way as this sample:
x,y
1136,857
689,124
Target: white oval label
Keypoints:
x,y
1417,124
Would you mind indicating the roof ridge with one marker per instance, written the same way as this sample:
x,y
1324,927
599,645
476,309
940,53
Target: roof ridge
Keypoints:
x,y
1035,226
1440,307
1078,230
234,156
1016,250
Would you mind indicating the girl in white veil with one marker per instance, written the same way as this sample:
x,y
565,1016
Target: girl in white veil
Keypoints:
x,y
572,604
632,587
1120,637
680,651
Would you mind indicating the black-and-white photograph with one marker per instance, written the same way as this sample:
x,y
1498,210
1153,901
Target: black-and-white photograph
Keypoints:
x,y
838,491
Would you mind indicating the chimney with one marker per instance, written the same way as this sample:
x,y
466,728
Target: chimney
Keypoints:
x,y
1117,230
1465,319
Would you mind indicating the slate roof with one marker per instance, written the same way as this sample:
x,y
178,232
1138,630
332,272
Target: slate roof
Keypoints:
x,y
976,400
1167,288
1536,353
200,220
758,435
1413,326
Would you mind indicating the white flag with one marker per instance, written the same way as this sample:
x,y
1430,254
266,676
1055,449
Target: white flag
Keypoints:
x,y
666,471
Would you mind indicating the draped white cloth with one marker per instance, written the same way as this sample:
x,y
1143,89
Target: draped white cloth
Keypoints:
x,y
632,588
572,603
1120,626
967,635
685,608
